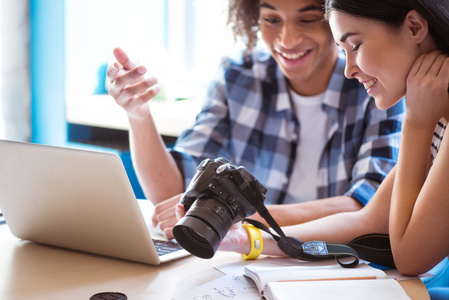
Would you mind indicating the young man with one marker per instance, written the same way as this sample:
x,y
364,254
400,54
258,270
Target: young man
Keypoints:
x,y
285,112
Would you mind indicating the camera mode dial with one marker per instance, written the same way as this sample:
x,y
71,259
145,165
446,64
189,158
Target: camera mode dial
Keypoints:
x,y
223,169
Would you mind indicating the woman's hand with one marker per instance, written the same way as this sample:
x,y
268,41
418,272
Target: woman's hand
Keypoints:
x,y
130,89
427,96
236,240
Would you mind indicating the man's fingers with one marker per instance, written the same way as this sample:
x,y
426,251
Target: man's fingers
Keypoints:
x,y
168,232
167,227
154,220
165,209
131,77
113,71
179,211
123,59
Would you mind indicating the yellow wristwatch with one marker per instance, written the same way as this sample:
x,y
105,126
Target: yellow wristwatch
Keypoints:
x,y
256,242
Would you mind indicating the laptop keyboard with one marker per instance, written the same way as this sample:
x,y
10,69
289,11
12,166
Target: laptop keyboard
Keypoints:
x,y
166,247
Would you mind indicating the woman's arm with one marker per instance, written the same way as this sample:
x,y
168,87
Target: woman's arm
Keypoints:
x,y
419,221
419,227
297,213
337,228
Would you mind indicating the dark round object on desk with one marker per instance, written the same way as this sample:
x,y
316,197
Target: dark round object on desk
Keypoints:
x,y
109,296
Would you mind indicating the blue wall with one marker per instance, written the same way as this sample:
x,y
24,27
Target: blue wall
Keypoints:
x,y
48,89
47,64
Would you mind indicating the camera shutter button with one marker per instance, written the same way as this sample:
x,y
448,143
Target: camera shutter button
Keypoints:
x,y
222,169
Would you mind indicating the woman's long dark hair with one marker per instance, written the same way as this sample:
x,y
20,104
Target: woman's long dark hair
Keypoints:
x,y
393,12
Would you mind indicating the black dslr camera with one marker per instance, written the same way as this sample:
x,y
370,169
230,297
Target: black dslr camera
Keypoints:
x,y
219,195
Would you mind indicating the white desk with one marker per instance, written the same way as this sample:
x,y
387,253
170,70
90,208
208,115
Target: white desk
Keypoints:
x,y
33,272
171,117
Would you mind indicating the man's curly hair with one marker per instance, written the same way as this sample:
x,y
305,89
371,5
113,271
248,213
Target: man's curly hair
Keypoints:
x,y
244,20
243,17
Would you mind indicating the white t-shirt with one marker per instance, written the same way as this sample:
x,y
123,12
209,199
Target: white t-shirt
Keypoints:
x,y
314,127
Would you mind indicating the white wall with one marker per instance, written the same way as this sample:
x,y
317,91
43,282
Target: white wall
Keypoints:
x,y
95,27
14,65
184,53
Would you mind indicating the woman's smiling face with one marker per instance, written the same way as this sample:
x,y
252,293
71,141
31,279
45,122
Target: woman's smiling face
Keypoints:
x,y
377,55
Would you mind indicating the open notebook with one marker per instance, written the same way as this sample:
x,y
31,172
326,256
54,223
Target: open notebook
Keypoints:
x,y
75,199
324,282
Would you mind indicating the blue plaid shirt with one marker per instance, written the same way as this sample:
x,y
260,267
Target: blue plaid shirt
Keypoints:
x,y
248,118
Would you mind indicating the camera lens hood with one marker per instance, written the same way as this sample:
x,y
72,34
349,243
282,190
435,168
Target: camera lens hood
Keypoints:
x,y
196,236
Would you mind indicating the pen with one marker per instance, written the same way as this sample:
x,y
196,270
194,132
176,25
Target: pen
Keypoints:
x,y
345,278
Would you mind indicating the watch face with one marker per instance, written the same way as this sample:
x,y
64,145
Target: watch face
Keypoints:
x,y
109,296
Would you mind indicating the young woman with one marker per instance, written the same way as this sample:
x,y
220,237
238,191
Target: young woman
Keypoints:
x,y
392,59
284,111
395,49
411,58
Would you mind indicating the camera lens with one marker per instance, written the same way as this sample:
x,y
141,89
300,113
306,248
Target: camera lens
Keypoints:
x,y
201,230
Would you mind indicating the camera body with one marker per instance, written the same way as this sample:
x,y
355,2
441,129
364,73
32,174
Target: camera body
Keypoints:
x,y
219,195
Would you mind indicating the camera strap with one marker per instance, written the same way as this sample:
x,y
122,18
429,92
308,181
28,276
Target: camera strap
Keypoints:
x,y
313,250
310,251
375,248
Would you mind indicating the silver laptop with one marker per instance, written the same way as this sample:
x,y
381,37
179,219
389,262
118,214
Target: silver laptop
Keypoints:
x,y
75,199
